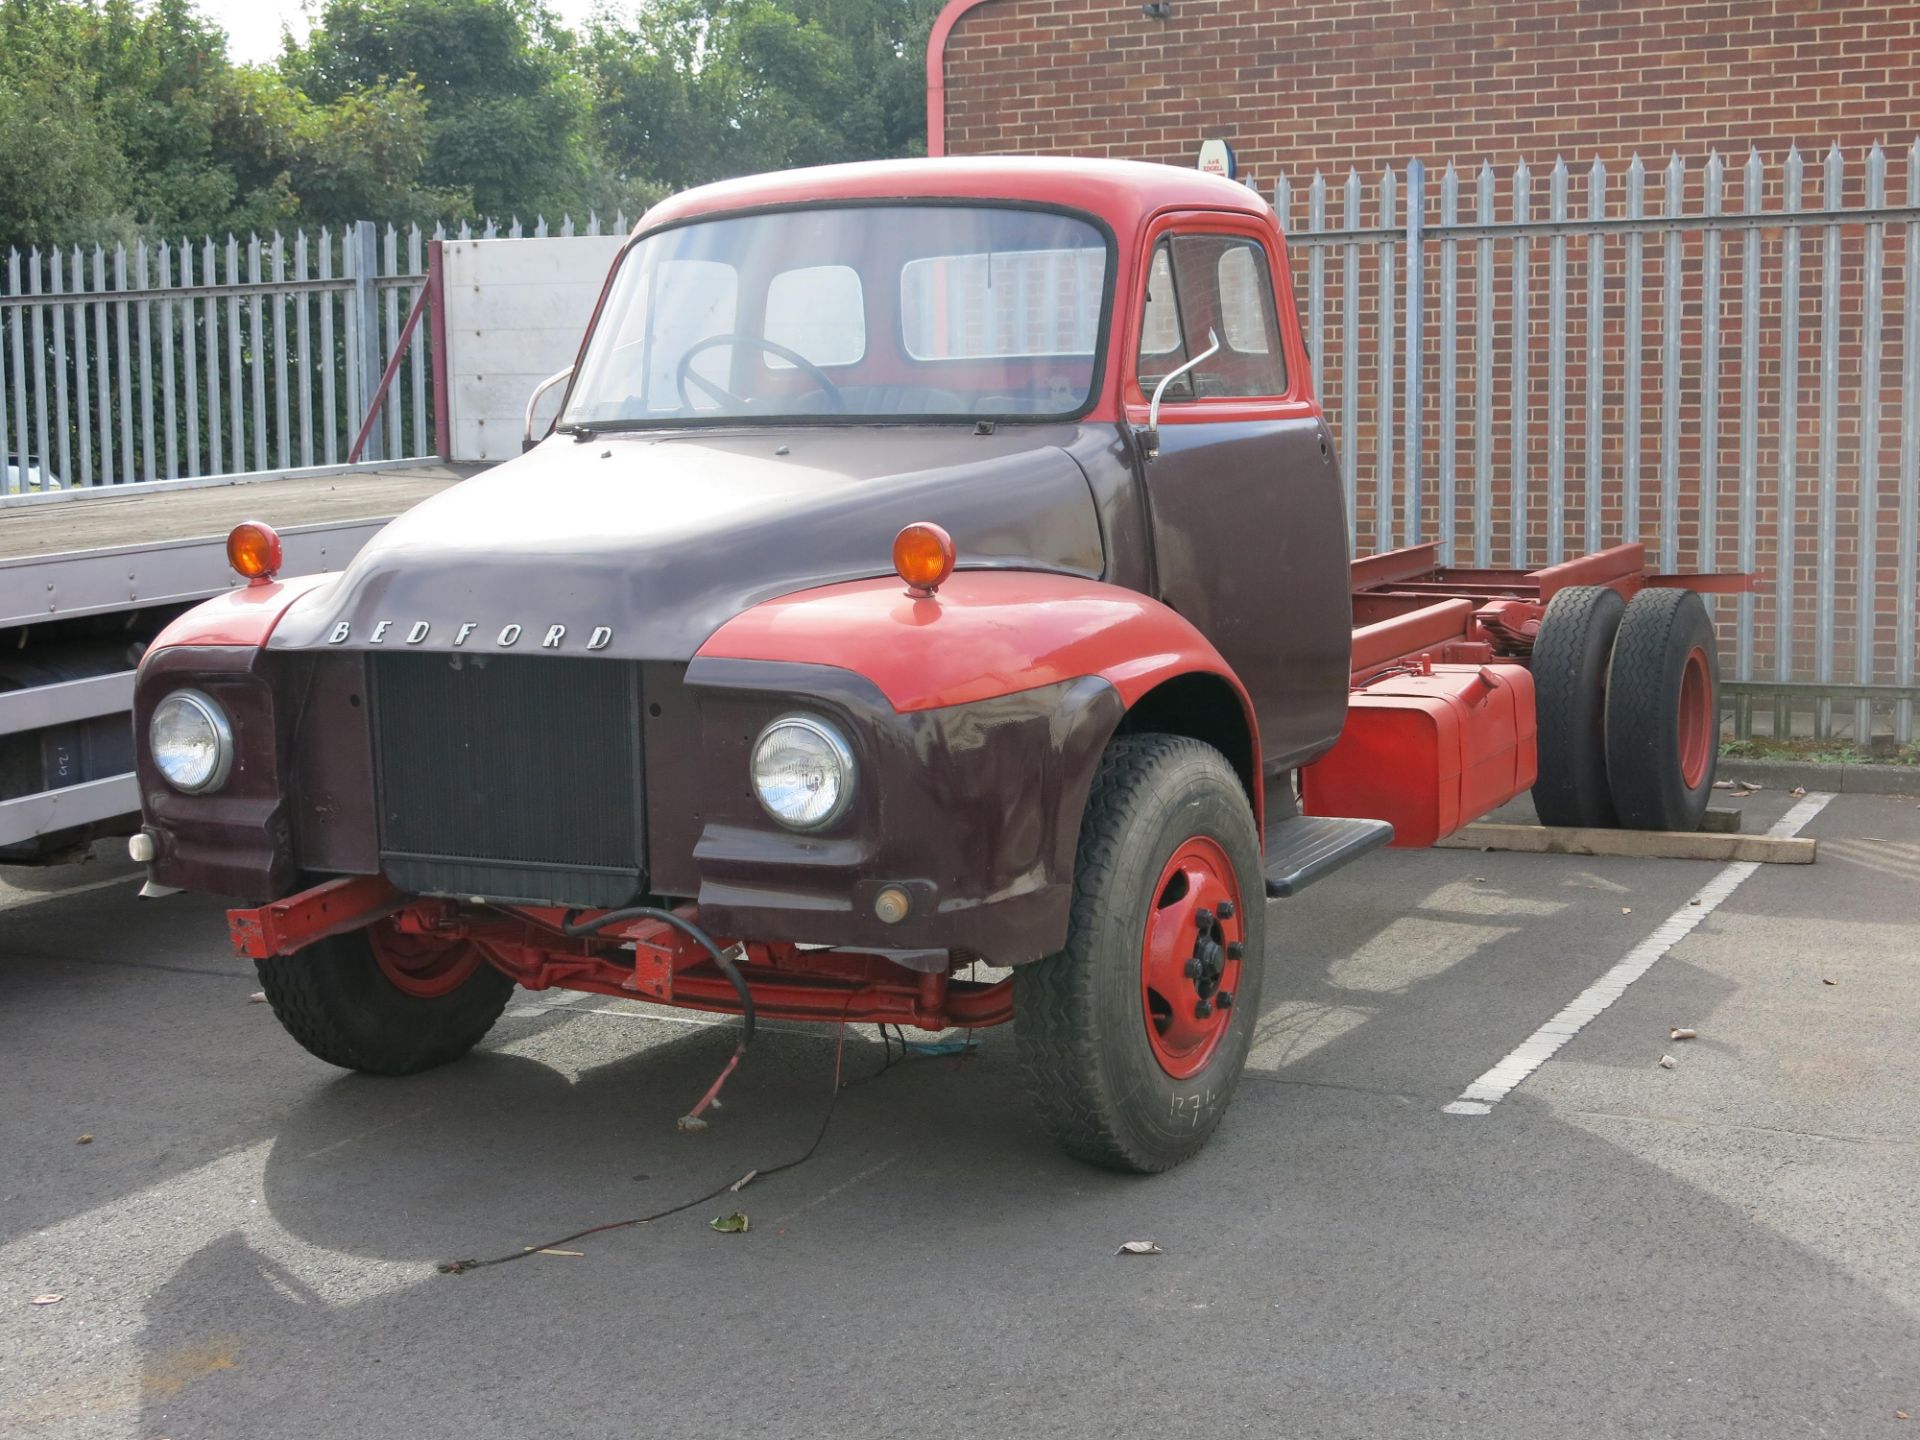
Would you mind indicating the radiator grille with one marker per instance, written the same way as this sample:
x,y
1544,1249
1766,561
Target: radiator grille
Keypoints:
x,y
510,777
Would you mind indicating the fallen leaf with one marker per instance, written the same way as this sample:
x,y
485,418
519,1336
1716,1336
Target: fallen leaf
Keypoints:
x,y
734,1224
1797,791
1626,909
84,1140
1680,1032
48,1299
1667,1062
1825,981
1723,784
1901,1415
1694,901
690,1124
1139,1247
258,997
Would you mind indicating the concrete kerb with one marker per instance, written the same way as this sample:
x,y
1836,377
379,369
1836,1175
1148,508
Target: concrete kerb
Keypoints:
x,y
1848,779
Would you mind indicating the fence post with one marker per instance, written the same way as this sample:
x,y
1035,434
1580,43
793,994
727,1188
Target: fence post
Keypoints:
x,y
1416,312
365,357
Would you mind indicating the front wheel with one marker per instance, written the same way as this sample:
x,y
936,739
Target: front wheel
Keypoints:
x,y
385,1002
1133,1037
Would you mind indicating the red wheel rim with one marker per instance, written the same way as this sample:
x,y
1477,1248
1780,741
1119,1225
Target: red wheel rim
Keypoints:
x,y
1190,957
1696,719
419,965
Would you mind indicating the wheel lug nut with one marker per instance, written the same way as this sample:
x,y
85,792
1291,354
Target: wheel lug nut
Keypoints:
x,y
1193,968
1235,950
1202,1010
1226,910
1203,918
1224,999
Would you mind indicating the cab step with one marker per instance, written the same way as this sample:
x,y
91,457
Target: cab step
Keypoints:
x,y
1304,848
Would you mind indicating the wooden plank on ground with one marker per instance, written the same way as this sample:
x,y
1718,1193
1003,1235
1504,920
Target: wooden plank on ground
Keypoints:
x,y
1644,844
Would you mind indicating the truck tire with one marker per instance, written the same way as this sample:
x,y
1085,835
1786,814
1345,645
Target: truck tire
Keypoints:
x,y
1570,701
1663,712
385,1003
1125,1048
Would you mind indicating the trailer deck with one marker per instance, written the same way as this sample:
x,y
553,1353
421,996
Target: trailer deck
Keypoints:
x,y
82,553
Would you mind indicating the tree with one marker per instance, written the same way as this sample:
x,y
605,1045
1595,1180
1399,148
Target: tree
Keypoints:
x,y
506,116
119,117
696,90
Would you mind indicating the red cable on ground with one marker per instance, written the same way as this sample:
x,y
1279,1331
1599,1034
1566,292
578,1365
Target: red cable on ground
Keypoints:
x,y
691,1120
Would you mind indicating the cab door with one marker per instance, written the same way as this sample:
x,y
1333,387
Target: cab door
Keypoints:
x,y
1244,498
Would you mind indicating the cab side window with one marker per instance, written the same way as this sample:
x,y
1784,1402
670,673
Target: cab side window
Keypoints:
x,y
1221,283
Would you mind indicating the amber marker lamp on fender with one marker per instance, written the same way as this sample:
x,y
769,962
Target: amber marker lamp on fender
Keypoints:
x,y
923,557
253,549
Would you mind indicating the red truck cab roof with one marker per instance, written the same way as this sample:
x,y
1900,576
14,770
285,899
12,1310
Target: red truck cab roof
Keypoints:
x,y
1122,193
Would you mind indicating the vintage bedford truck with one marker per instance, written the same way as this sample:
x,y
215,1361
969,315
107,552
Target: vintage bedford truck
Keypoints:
x,y
934,563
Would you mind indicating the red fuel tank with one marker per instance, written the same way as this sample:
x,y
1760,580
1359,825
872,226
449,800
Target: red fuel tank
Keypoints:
x,y
1429,752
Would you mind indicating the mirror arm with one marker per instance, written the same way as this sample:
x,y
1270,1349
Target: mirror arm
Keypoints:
x,y
527,442
1150,437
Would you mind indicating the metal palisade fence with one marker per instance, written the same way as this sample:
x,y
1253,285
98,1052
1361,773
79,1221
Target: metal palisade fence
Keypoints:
x,y
174,360
1722,363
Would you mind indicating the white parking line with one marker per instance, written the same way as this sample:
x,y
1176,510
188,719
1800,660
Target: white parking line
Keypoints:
x,y
1491,1088
14,899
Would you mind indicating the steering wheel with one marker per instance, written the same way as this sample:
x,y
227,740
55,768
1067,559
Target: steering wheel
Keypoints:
x,y
686,372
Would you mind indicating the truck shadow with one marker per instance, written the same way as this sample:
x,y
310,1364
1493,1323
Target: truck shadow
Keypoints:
x,y
1338,1255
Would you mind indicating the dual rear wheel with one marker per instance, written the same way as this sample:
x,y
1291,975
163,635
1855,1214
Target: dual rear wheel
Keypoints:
x,y
1627,695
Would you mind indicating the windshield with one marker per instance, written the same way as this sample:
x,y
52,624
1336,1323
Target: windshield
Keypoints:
x,y
859,312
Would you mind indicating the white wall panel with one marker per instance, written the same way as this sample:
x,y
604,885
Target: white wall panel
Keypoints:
x,y
516,310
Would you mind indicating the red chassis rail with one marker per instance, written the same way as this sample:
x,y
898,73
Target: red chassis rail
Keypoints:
x,y
638,959
1407,604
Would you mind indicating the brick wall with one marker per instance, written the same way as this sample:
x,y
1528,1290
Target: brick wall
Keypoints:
x,y
1373,83
1325,85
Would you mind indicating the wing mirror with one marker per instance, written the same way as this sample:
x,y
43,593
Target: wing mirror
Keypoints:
x,y
527,440
1149,438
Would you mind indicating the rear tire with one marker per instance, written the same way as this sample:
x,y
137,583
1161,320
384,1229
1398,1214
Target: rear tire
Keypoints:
x,y
1130,1071
384,1003
1663,712
1570,689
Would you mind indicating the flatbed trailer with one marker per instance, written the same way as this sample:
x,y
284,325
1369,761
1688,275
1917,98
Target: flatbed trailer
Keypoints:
x,y
89,577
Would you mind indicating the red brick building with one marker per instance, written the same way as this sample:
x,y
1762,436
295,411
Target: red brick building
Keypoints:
x,y
1325,84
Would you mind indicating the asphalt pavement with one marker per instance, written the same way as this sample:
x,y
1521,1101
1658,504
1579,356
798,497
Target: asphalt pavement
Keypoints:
x,y
247,1246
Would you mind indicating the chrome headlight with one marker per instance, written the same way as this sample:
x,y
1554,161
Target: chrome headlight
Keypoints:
x,y
192,741
803,772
